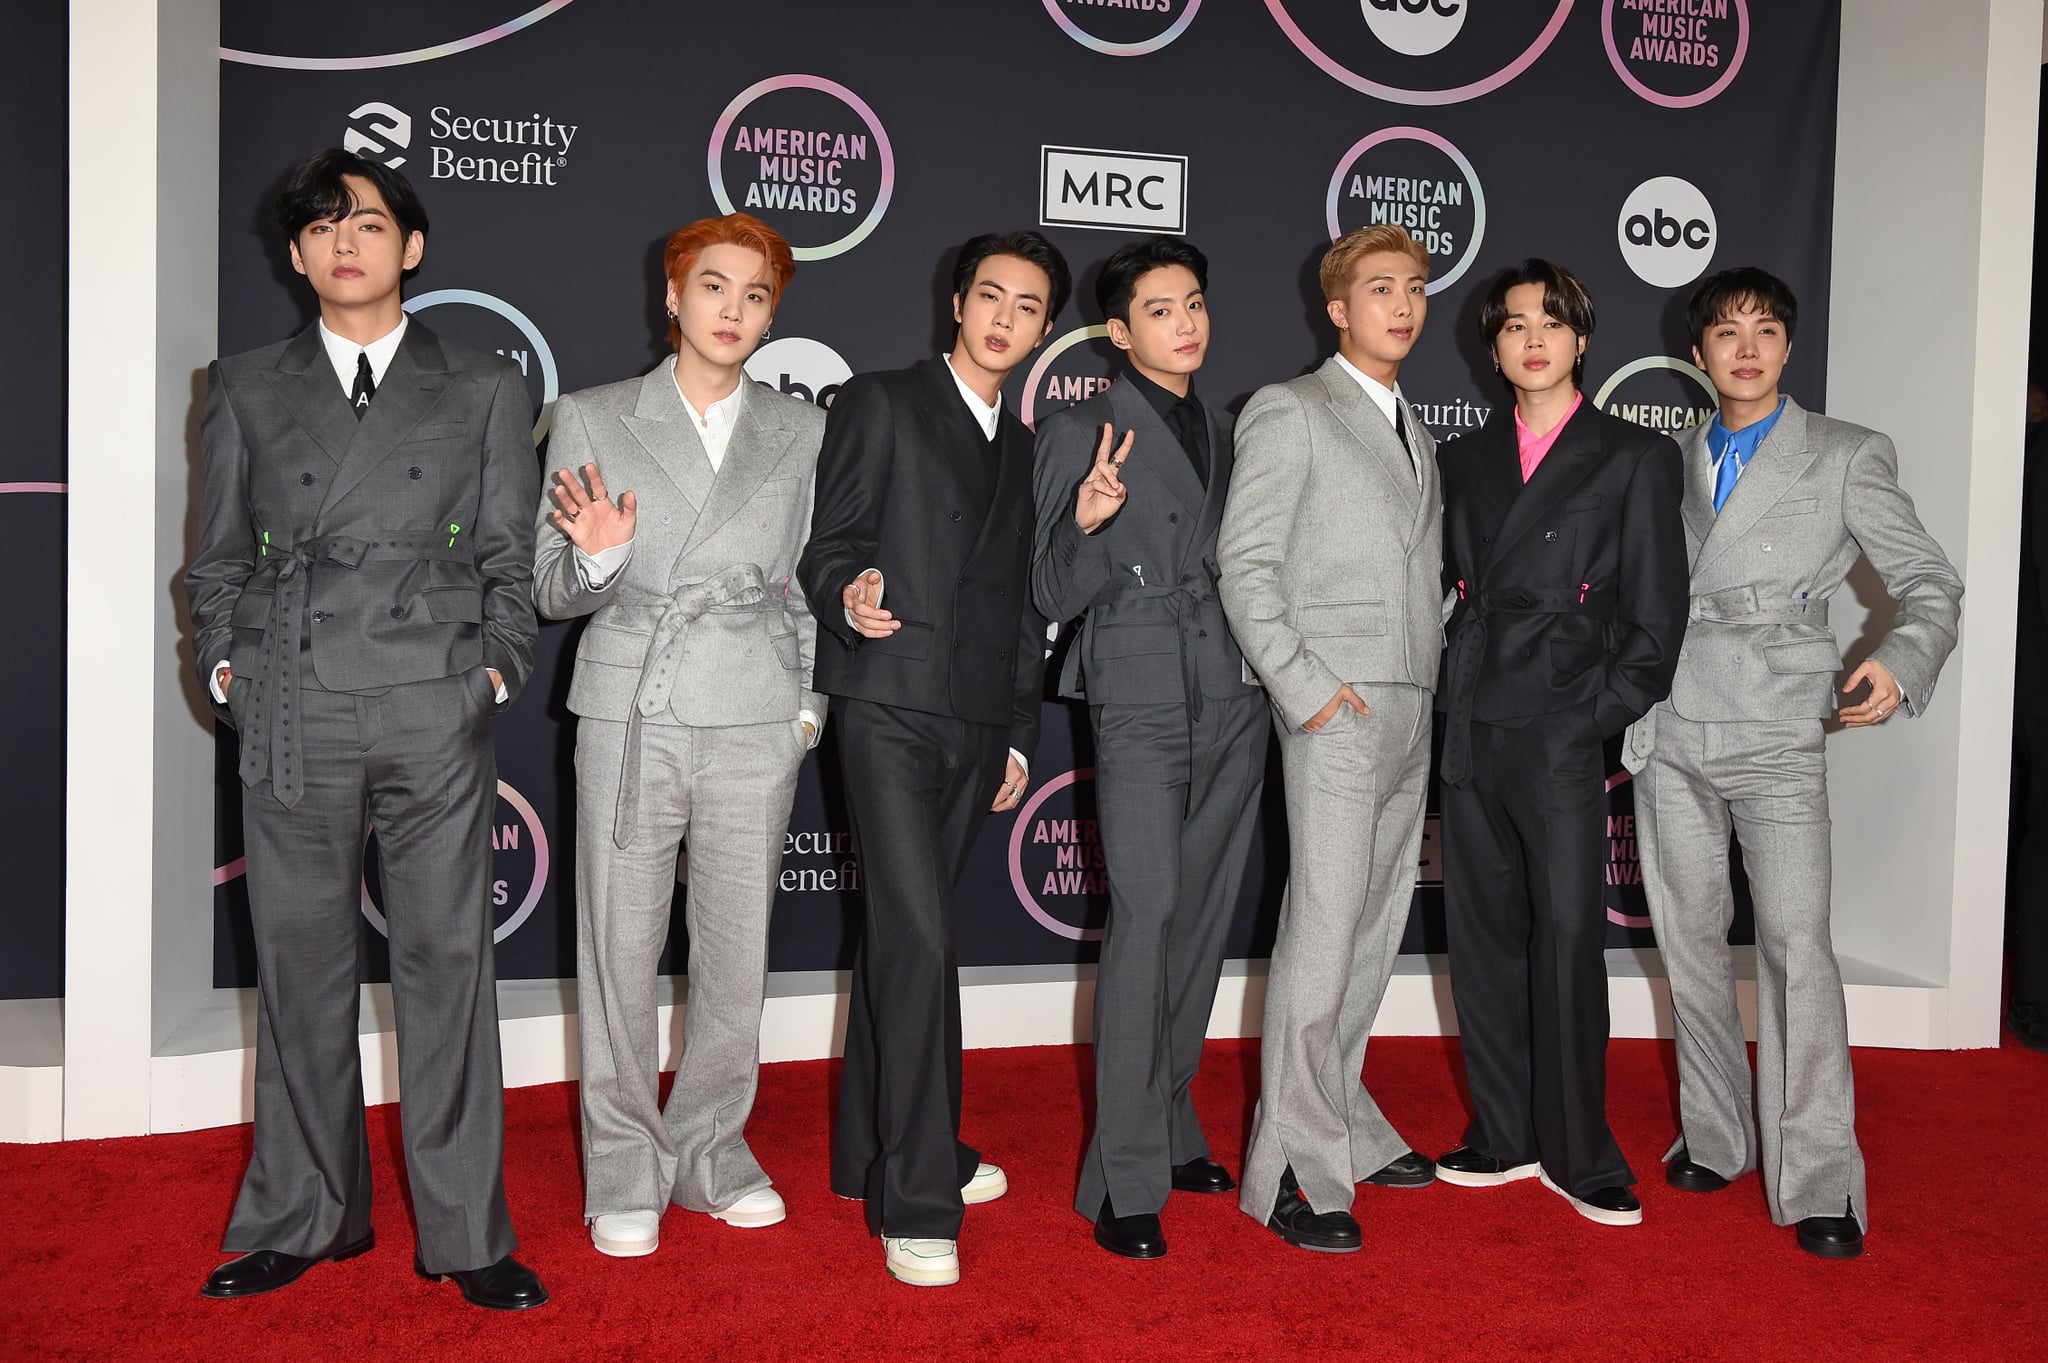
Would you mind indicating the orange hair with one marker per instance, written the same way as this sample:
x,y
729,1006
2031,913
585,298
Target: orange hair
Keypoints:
x,y
1341,260
679,257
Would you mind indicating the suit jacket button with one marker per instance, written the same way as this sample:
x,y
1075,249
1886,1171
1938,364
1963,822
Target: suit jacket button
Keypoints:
x,y
305,480
958,645
398,612
413,472
1173,517
954,514
318,616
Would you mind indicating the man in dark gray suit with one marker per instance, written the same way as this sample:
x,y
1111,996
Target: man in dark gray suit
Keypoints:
x,y
362,594
1127,535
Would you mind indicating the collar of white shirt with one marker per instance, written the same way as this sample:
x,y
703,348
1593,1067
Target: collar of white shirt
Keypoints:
x,y
342,352
714,424
988,414
1388,400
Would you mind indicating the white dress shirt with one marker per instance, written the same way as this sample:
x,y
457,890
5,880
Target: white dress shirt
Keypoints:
x,y
1388,401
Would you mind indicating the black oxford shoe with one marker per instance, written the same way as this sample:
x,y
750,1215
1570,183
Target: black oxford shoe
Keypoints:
x,y
1683,1173
507,1285
1299,1224
1134,1237
266,1270
1202,1175
1411,1170
1831,1237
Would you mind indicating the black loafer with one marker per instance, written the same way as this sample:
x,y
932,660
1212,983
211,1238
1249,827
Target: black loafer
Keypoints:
x,y
1831,1237
1683,1173
266,1270
1468,1168
507,1285
2026,1022
1202,1175
1301,1225
1134,1237
1409,1171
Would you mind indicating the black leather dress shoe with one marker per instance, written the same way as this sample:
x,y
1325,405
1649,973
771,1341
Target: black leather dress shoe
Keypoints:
x,y
266,1270
1468,1168
1202,1175
1134,1237
2027,1022
1831,1237
1684,1174
1409,1171
1299,1224
507,1285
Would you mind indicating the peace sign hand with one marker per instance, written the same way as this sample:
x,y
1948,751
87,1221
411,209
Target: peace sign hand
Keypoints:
x,y
1101,494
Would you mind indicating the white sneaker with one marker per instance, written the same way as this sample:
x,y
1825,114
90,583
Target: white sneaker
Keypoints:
x,y
762,1207
988,1184
625,1235
922,1263
1625,1211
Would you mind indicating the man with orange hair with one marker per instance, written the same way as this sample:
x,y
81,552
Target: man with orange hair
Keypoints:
x,y
1330,551
694,710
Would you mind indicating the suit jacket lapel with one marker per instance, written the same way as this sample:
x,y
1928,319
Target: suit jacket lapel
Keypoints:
x,y
1163,460
1698,506
1221,460
413,384
1429,501
1570,459
1363,417
756,447
663,427
304,382
1777,464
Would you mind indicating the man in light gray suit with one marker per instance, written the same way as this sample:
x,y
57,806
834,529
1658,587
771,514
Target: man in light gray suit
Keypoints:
x,y
1779,503
1331,550
1127,534
694,704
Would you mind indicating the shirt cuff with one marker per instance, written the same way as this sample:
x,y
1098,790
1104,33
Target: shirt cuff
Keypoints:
x,y
597,569
1022,761
213,685
503,694
810,718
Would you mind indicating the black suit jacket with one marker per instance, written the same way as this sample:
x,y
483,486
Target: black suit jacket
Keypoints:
x,y
905,485
1572,590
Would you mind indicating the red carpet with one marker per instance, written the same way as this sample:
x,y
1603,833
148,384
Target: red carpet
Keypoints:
x,y
106,1244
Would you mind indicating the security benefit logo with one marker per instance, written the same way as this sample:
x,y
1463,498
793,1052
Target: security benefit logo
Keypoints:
x,y
1421,51
529,148
519,867
1676,53
1666,231
1116,190
817,860
1661,392
1072,368
490,323
807,156
799,367
1122,28
1056,861
1417,179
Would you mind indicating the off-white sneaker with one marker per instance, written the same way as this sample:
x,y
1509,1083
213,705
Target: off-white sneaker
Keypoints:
x,y
922,1263
762,1207
988,1184
626,1235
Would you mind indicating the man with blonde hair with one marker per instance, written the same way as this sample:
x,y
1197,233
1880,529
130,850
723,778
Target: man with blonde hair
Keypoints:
x,y
1330,553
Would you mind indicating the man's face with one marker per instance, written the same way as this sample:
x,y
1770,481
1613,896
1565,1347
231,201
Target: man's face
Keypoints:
x,y
1169,328
1002,315
723,304
1382,309
362,257
1744,352
1535,350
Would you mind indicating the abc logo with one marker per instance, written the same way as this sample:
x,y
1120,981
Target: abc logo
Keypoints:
x,y
800,368
1666,232
374,139
1415,28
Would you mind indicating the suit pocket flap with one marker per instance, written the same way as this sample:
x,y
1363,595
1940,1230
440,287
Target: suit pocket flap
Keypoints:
x,y
455,605
252,610
1803,655
1342,619
1131,641
913,641
1795,506
618,647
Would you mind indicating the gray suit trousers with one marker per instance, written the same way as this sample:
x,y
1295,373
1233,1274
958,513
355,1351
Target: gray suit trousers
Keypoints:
x,y
727,791
418,761
1177,810
1766,782
1355,795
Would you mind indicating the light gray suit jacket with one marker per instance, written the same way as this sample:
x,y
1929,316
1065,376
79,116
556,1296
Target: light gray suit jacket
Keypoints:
x,y
1331,552
712,574
1816,494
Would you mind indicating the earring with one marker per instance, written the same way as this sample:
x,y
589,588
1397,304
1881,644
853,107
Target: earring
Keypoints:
x,y
671,314
767,332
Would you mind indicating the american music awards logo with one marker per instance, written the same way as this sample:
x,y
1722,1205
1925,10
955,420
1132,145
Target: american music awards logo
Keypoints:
x,y
1123,28
1676,53
1056,861
1661,392
1072,368
1421,52
1417,179
807,156
490,323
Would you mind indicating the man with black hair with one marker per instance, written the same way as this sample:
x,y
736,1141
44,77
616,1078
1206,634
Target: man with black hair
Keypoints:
x,y
924,499
1130,490
362,593
1779,504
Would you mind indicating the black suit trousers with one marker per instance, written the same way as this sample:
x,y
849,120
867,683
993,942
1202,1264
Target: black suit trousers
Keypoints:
x,y
918,788
1525,856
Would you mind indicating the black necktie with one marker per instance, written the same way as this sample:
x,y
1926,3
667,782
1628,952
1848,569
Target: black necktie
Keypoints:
x,y
1186,420
366,386
1401,429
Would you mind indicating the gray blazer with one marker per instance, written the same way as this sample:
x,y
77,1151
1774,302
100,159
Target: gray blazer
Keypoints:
x,y
1154,630
712,574
1331,553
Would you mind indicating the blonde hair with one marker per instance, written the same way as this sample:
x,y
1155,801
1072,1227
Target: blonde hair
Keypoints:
x,y
1341,260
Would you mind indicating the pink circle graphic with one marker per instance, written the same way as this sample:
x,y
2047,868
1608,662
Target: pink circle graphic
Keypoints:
x,y
1393,94
1458,159
1103,45
1628,77
715,167
1017,881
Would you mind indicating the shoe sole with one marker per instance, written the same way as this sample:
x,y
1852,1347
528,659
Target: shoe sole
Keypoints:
x,y
1148,1252
752,1220
1598,1215
923,1277
624,1249
362,1246
1463,1178
989,1192
1831,1249
1402,1180
1302,1242
1693,1183
541,1300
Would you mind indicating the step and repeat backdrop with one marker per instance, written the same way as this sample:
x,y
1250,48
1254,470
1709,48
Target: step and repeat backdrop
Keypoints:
x,y
556,145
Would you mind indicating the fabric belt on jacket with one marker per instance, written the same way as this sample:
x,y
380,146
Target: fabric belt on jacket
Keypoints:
x,y
1742,606
738,589
1467,651
271,743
